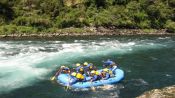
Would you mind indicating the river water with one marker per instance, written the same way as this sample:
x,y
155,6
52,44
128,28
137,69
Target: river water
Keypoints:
x,y
26,66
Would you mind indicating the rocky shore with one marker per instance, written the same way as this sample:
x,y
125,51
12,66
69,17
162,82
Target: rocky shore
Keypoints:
x,y
167,92
88,31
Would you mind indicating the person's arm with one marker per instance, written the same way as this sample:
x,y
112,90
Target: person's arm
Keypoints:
x,y
77,69
58,72
73,80
107,76
94,78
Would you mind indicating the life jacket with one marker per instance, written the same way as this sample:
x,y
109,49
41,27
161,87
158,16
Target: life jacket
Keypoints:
x,y
80,76
81,69
108,71
97,73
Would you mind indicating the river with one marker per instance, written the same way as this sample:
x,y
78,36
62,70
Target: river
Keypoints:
x,y
27,65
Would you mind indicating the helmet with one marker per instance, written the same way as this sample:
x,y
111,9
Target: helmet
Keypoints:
x,y
93,72
62,66
85,63
90,67
73,74
81,69
78,64
106,70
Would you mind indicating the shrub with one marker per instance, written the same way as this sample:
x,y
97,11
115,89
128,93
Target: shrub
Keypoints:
x,y
35,21
8,29
170,26
26,30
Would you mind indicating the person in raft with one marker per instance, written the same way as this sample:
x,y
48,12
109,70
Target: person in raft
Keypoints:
x,y
73,78
78,66
113,67
105,74
63,69
77,77
85,68
95,75
85,65
108,63
89,68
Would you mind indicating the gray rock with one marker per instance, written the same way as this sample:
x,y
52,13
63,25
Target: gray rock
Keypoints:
x,y
167,92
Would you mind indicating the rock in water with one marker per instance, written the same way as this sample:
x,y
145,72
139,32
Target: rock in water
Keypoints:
x,y
167,92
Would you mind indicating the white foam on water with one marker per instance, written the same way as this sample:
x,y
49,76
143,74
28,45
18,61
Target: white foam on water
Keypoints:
x,y
19,71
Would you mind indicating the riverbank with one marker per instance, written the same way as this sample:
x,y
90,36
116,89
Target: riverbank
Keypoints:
x,y
88,31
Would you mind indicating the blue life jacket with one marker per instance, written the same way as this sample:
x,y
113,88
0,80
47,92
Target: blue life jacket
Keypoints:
x,y
78,68
108,63
88,65
84,80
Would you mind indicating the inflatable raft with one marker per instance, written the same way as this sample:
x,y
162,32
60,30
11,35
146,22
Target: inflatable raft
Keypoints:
x,y
64,80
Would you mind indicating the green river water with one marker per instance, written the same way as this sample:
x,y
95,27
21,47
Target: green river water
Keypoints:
x,y
27,65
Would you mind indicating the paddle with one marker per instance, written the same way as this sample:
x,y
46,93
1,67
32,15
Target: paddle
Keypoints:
x,y
57,73
52,78
92,87
68,86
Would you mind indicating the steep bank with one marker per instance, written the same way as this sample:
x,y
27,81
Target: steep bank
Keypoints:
x,y
167,92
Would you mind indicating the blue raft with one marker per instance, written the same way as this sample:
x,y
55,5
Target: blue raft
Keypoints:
x,y
64,80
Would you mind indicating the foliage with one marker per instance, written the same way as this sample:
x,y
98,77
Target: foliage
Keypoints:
x,y
170,25
32,16
13,29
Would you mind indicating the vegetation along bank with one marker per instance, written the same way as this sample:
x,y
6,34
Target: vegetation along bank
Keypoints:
x,y
86,17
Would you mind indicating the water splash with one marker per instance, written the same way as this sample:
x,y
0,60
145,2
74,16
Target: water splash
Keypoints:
x,y
106,91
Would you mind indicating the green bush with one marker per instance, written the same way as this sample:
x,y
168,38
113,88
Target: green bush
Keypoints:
x,y
52,30
172,3
13,29
35,21
32,16
159,13
170,26
2,20
73,18
26,30
8,29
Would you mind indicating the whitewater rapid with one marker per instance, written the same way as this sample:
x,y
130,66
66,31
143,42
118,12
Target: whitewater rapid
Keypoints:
x,y
23,63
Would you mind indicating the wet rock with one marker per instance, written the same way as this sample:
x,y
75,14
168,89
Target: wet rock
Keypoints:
x,y
167,92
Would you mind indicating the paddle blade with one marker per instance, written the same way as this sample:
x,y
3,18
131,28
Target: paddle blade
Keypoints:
x,y
93,89
53,78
